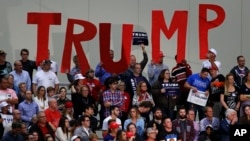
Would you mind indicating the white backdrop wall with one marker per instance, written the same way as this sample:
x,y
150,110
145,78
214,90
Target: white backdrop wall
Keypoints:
x,y
230,39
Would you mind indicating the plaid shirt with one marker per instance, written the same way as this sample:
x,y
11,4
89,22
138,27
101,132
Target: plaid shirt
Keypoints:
x,y
115,98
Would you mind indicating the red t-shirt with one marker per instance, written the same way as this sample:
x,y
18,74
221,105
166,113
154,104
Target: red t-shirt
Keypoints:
x,y
52,116
126,102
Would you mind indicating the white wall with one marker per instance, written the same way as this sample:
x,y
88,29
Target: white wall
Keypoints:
x,y
229,39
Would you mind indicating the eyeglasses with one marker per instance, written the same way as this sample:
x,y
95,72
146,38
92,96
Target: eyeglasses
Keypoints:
x,y
25,54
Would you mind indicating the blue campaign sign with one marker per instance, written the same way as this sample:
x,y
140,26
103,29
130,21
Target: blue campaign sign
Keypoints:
x,y
139,38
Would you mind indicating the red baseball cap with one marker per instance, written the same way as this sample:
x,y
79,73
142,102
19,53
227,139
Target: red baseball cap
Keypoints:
x,y
161,54
114,125
68,104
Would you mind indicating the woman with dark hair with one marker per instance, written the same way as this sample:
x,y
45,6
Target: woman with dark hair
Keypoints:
x,y
62,98
62,131
41,99
245,119
245,93
166,93
121,136
81,100
131,127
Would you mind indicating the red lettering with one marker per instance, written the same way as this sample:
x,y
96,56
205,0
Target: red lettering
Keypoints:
x,y
43,21
108,64
179,22
205,25
75,39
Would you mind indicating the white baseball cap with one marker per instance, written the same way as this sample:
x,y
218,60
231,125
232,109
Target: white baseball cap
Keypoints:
x,y
3,104
78,76
213,51
74,137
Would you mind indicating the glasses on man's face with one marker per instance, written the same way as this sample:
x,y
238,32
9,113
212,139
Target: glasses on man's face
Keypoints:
x,y
25,54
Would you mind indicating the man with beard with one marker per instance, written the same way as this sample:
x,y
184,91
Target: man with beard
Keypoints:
x,y
183,126
157,120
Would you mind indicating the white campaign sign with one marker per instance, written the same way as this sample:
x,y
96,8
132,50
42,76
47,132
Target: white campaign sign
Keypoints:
x,y
198,98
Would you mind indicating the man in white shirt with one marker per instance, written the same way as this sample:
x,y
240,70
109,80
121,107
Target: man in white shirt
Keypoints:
x,y
211,61
45,77
53,66
114,113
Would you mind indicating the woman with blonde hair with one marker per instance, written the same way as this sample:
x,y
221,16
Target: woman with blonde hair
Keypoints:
x,y
230,98
142,94
135,117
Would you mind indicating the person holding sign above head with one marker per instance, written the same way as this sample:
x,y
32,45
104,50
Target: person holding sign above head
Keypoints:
x,y
143,63
198,84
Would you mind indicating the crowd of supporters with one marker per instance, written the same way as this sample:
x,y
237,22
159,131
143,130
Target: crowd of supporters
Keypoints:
x,y
129,105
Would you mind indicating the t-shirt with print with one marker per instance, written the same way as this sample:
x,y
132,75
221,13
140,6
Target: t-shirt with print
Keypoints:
x,y
169,136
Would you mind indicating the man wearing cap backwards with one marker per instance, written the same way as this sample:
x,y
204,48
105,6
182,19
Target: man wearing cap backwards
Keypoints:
x,y
53,66
5,67
211,62
45,77
155,68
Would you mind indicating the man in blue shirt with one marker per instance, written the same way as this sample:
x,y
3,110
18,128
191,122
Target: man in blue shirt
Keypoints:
x,y
198,82
101,73
20,75
28,108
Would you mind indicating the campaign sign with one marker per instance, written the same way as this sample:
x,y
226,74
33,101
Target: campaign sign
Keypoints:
x,y
139,38
239,132
198,98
